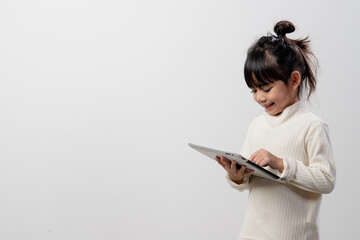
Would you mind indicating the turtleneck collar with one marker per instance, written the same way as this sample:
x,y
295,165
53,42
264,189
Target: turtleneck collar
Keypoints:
x,y
287,113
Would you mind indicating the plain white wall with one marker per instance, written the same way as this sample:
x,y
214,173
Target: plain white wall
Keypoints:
x,y
98,100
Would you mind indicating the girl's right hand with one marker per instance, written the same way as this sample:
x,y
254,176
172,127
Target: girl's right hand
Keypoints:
x,y
236,174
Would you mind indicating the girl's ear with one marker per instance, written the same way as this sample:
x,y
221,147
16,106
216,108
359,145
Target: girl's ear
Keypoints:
x,y
295,80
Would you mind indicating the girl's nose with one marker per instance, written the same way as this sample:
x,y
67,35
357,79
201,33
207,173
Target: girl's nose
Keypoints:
x,y
259,97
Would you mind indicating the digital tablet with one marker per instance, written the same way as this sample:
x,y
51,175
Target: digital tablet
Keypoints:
x,y
240,160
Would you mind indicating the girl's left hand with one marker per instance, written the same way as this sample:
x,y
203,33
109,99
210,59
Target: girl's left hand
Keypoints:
x,y
264,158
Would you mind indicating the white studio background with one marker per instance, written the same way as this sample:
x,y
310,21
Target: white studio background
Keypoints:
x,y
98,100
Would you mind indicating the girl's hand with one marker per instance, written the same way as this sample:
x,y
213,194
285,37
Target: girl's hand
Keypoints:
x,y
236,174
264,158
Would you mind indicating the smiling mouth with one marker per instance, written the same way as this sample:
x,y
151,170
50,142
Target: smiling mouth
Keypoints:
x,y
268,105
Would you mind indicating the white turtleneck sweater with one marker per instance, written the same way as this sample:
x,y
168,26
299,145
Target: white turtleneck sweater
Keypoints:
x,y
287,211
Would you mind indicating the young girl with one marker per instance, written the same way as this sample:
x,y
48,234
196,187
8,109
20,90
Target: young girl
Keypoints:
x,y
287,139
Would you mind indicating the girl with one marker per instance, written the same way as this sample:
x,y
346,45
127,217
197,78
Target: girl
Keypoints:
x,y
287,139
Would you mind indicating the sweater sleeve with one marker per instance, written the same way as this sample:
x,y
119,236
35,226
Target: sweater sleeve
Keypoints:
x,y
318,175
240,187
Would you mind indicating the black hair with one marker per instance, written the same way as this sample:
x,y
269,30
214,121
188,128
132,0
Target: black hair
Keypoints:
x,y
275,57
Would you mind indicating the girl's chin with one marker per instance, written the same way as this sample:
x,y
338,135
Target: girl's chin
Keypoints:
x,y
272,110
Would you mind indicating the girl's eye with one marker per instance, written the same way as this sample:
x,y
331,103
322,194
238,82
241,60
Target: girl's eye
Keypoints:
x,y
267,90
253,90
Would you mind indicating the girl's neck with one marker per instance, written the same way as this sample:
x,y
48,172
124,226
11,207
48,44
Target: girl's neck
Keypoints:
x,y
286,114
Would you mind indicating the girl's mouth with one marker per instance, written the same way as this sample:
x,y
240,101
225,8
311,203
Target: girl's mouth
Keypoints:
x,y
267,107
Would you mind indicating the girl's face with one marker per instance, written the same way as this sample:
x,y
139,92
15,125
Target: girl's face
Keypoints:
x,y
276,96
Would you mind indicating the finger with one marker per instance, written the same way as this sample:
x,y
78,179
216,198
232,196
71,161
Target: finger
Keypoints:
x,y
261,157
257,159
234,167
254,155
247,173
258,153
242,169
263,163
225,162
219,161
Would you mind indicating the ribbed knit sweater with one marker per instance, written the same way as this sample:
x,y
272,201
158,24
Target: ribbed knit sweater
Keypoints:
x,y
286,211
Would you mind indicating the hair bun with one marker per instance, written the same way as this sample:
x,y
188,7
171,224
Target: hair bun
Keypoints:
x,y
283,27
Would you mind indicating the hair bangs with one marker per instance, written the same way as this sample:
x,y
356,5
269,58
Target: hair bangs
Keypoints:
x,y
261,69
